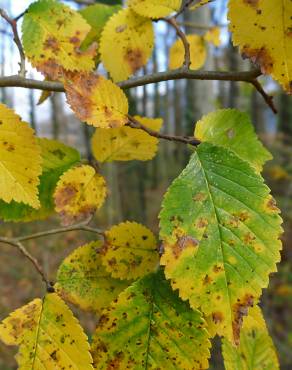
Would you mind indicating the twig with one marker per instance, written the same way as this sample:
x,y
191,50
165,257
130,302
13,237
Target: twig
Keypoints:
x,y
17,18
182,36
83,2
17,242
61,230
268,99
182,139
13,24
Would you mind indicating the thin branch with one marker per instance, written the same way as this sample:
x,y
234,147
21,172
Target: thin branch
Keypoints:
x,y
16,243
61,230
182,36
19,16
182,139
268,99
16,39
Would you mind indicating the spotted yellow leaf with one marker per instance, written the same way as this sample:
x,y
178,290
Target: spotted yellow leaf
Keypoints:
x,y
256,350
155,8
213,36
262,30
198,52
149,327
96,100
83,280
130,251
48,336
126,44
20,160
234,130
126,143
220,228
79,193
52,35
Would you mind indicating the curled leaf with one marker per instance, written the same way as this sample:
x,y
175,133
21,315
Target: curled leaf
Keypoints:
x,y
79,193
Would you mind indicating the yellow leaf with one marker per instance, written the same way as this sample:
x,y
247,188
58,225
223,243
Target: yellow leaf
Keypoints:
x,y
213,36
130,251
20,160
197,50
155,8
48,335
52,35
79,193
126,143
96,100
256,350
262,30
83,280
126,44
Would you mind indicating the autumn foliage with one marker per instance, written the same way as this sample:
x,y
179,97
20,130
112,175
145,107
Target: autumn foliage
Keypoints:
x,y
159,299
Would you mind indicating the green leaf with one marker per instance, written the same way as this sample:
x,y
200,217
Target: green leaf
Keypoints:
x,y
96,16
233,129
57,158
83,281
256,350
149,327
220,229
48,336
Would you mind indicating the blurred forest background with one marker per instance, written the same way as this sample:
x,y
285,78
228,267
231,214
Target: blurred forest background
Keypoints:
x,y
136,188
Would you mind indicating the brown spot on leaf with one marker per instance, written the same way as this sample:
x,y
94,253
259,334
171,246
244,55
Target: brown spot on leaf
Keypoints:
x,y
134,57
183,243
252,3
52,43
260,57
65,195
202,223
121,28
240,309
199,197
217,317
271,205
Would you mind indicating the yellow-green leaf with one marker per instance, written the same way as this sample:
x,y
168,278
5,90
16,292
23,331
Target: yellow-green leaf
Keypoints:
x,y
155,8
20,160
126,44
262,30
220,228
96,100
79,193
149,327
256,350
52,35
126,143
233,129
198,52
56,159
48,336
83,280
130,251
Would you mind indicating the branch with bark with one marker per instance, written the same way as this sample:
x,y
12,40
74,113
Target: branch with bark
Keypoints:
x,y
182,139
